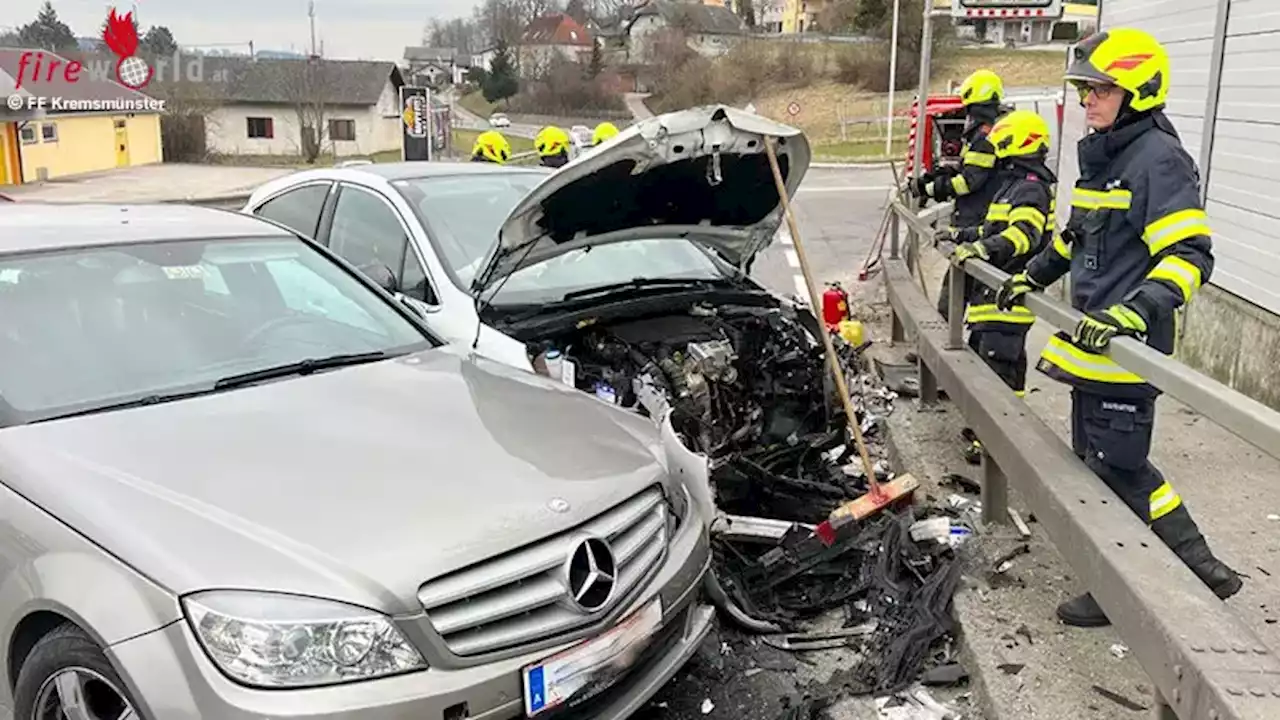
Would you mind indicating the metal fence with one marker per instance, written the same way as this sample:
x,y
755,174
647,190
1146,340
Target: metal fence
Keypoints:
x,y
1204,661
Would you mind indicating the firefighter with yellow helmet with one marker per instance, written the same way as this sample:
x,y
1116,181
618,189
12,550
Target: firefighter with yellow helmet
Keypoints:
x,y
1018,224
491,147
604,131
1137,247
552,144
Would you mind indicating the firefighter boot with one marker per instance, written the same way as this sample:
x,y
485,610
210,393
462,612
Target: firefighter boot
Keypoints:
x,y
1083,612
1180,532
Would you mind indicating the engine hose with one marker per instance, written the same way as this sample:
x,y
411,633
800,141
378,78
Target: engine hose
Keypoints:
x,y
720,599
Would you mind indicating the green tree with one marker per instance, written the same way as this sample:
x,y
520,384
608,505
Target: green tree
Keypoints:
x,y
502,82
159,41
47,32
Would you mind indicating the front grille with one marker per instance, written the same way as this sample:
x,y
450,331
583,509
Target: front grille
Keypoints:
x,y
521,597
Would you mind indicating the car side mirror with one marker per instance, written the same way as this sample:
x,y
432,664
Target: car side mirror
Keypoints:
x,y
382,275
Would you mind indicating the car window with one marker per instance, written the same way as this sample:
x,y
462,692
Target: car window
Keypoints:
x,y
463,214
298,209
366,232
96,326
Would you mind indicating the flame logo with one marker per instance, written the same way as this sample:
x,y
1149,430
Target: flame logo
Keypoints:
x,y
122,37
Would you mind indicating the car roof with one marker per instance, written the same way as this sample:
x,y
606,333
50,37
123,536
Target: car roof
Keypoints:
x,y
26,226
413,170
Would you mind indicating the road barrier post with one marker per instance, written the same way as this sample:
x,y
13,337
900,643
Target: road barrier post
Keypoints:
x,y
955,307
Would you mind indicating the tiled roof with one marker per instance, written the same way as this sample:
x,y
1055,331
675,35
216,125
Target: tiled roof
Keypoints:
x,y
558,29
263,81
705,19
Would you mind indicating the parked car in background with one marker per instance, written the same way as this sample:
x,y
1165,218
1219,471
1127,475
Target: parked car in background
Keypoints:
x,y
271,492
499,120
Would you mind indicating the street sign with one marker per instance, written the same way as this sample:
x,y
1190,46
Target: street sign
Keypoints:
x,y
415,117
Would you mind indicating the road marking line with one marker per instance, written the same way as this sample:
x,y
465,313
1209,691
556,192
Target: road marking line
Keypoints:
x,y
846,188
793,259
802,288
784,235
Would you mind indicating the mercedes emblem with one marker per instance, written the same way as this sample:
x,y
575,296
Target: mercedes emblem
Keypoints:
x,y
590,575
559,505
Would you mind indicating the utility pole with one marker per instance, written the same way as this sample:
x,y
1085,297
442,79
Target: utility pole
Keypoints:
x,y
311,13
893,78
926,53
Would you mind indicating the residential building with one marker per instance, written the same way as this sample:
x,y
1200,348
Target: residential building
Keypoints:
x,y
90,137
260,107
550,37
434,67
799,16
710,30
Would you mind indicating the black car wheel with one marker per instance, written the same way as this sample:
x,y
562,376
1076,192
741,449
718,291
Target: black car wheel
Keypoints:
x,y
68,676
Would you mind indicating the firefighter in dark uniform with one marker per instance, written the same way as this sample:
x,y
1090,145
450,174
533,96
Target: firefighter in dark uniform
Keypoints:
x,y
1018,225
1137,246
973,184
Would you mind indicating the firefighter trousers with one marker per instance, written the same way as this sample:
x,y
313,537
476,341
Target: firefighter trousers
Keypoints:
x,y
1005,353
1113,437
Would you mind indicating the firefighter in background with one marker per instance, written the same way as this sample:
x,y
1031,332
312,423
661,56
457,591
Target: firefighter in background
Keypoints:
x,y
491,147
603,132
1137,246
973,184
552,145
1019,223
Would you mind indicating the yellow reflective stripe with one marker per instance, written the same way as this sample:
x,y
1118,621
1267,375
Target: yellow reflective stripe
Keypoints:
x,y
1021,243
1163,500
1101,199
1028,215
1061,246
1085,365
997,212
1184,275
1174,228
990,312
982,160
960,185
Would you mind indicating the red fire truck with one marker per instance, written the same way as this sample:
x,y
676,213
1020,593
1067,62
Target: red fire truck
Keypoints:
x,y
944,127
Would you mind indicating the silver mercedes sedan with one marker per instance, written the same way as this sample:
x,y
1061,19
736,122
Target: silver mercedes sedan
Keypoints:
x,y
239,480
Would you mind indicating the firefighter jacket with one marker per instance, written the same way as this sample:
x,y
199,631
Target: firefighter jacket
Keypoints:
x,y
973,184
1018,225
1137,235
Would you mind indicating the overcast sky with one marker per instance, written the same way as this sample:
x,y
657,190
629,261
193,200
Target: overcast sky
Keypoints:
x,y
370,29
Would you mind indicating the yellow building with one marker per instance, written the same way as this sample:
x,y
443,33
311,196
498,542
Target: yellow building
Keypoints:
x,y
101,124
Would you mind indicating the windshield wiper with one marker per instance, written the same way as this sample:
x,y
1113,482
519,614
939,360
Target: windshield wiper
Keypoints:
x,y
155,399
636,284
301,367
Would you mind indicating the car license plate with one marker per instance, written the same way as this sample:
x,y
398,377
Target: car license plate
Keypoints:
x,y
591,666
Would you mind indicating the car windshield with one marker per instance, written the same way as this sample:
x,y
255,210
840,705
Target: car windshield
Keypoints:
x,y
463,214
103,326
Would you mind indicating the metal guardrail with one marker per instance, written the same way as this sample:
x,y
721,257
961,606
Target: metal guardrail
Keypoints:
x,y
1204,661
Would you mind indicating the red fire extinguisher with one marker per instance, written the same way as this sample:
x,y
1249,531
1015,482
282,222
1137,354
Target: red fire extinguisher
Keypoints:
x,y
835,306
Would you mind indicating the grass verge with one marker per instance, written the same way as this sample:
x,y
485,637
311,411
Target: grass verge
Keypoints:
x,y
475,103
463,140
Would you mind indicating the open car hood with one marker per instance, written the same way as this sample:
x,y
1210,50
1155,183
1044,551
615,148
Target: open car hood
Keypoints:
x,y
700,173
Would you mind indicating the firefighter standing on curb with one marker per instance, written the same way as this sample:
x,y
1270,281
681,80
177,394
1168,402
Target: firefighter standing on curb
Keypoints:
x,y
1018,225
973,185
1137,246
491,147
552,145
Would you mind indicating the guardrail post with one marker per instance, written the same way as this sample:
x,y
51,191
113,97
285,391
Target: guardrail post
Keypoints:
x,y
928,383
955,306
894,235
911,249
995,491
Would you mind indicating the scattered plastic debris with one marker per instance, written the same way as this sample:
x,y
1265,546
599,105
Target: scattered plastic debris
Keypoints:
x,y
707,706
1023,530
1120,651
1273,517
1005,562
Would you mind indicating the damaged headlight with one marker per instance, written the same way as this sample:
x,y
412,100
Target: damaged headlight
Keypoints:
x,y
276,640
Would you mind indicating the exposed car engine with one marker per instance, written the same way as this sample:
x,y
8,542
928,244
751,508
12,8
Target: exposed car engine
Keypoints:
x,y
747,387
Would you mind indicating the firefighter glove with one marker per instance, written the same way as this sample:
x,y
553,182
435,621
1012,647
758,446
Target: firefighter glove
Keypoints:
x,y
964,251
1094,331
944,234
1012,290
919,186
